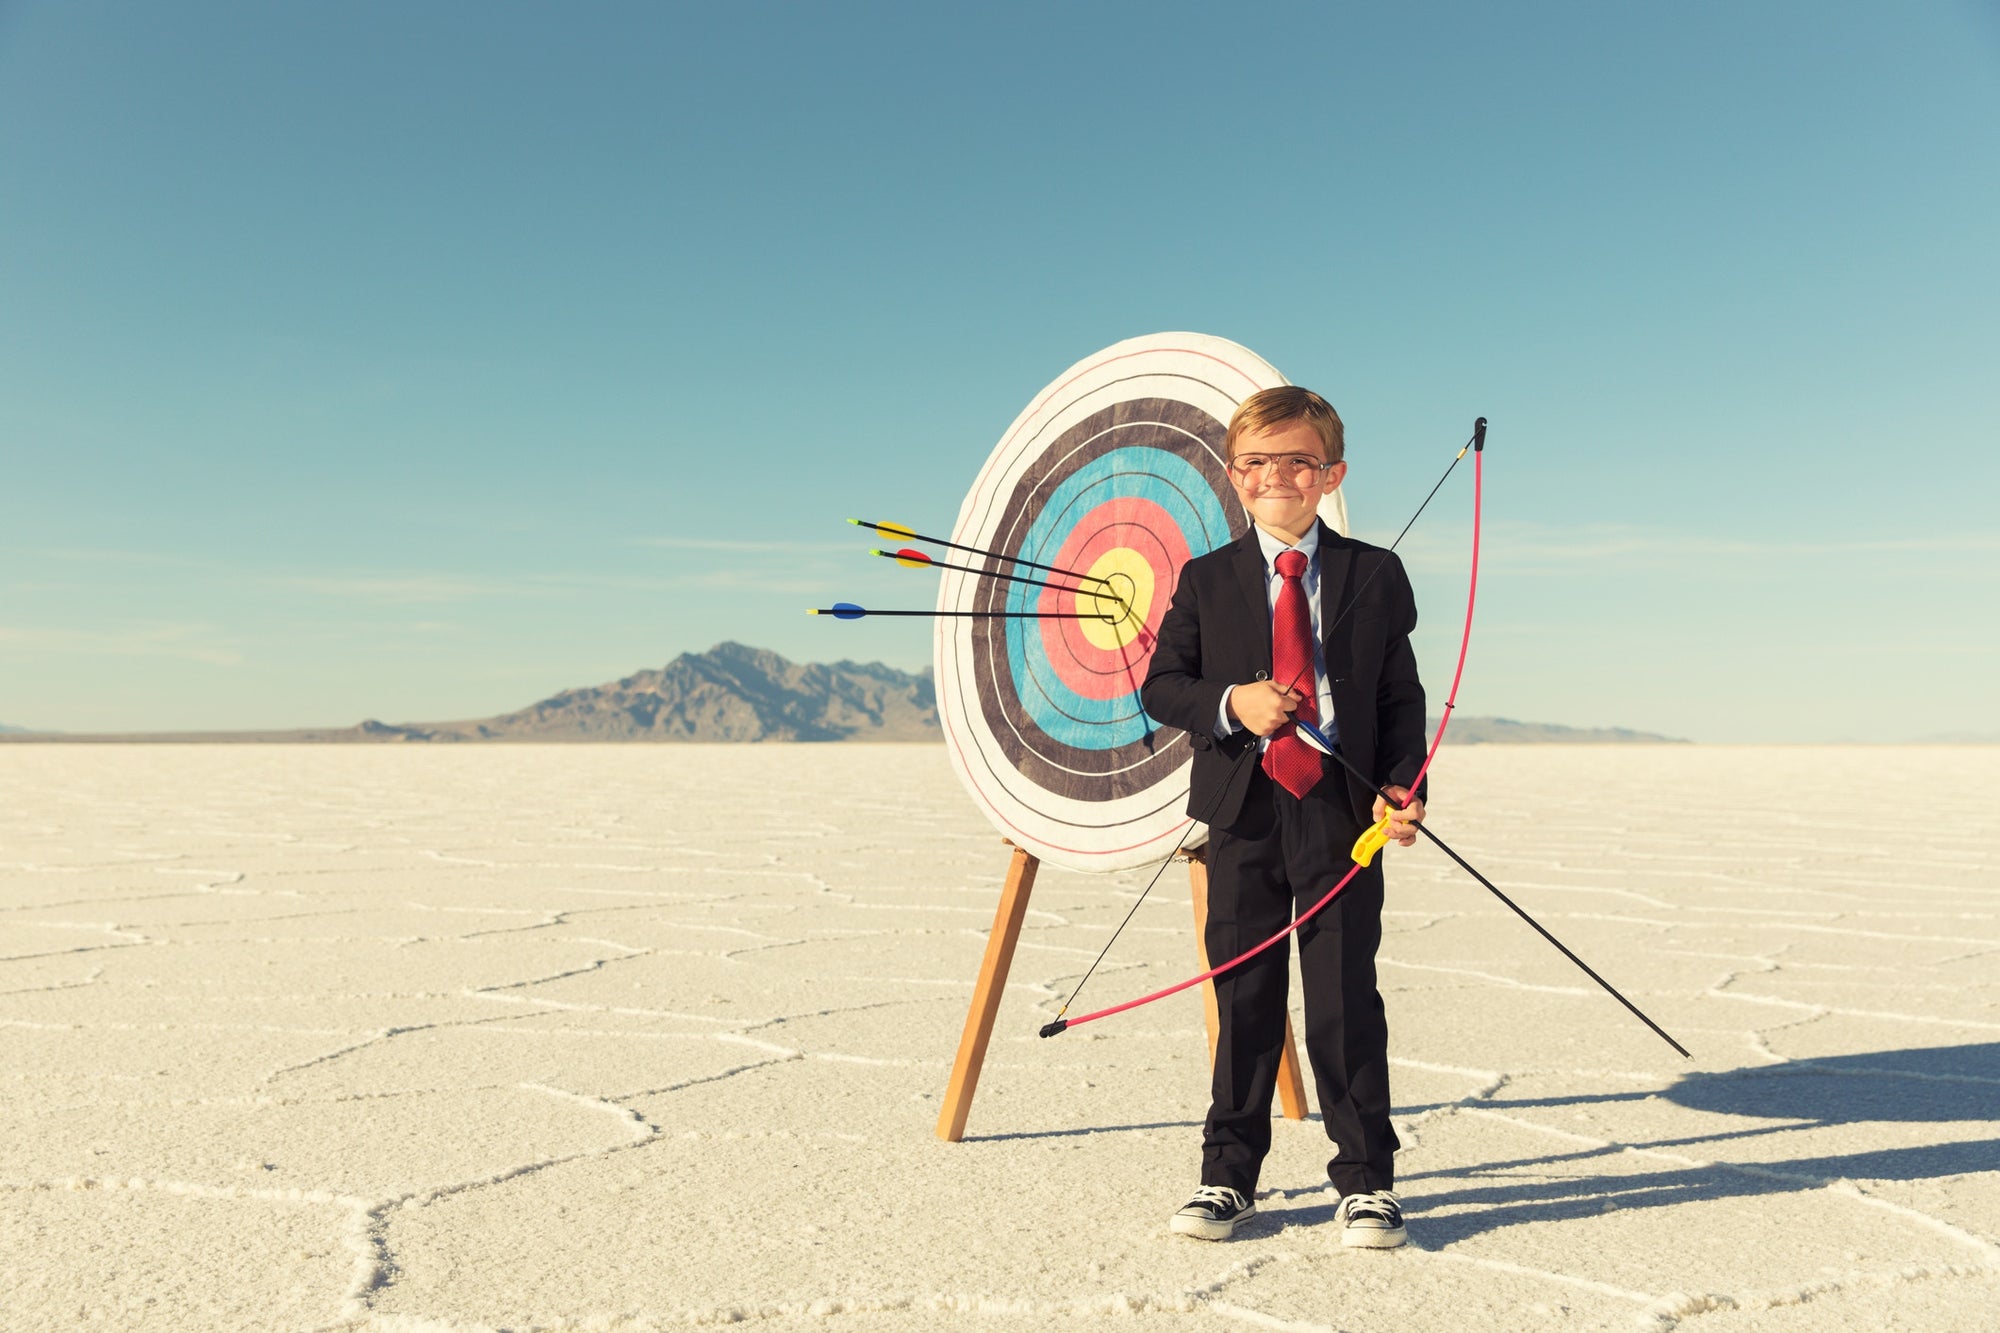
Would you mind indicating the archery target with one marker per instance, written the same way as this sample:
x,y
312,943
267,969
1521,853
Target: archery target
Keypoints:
x,y
1113,478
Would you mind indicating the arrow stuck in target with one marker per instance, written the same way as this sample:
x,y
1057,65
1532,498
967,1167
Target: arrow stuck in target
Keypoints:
x,y
911,558
898,530
849,611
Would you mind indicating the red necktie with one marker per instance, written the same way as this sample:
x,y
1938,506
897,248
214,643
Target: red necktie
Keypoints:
x,y
1292,763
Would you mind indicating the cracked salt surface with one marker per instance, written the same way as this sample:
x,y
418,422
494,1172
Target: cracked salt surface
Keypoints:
x,y
629,1038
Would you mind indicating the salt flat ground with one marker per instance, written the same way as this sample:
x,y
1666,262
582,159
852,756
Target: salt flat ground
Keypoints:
x,y
600,1037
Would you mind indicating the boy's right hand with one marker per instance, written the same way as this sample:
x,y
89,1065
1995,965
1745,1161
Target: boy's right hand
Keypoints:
x,y
1262,706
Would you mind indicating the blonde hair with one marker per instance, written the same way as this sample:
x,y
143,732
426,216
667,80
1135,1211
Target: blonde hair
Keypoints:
x,y
1288,402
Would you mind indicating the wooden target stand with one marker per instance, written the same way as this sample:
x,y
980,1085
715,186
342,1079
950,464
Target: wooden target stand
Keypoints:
x,y
999,958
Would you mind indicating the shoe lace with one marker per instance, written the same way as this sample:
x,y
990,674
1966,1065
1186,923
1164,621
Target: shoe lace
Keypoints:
x,y
1220,1194
1374,1203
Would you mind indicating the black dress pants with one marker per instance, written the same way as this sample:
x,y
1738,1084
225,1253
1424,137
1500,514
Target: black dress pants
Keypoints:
x,y
1281,857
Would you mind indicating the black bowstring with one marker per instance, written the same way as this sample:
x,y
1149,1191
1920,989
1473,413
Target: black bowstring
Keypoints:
x,y
1230,780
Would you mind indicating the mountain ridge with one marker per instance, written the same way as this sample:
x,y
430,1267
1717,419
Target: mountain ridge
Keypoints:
x,y
733,692
736,693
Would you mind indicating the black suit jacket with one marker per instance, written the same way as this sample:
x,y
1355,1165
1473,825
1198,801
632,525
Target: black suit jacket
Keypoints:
x,y
1217,633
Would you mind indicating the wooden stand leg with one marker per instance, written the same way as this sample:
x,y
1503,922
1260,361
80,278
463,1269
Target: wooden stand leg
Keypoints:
x,y
986,995
1291,1084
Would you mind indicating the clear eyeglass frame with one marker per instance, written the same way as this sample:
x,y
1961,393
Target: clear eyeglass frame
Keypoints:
x,y
1300,469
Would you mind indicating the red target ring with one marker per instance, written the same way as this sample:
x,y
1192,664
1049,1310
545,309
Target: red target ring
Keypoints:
x,y
1135,545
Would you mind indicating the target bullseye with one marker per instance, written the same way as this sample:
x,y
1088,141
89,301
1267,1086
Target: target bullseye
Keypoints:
x,y
1128,580
1103,665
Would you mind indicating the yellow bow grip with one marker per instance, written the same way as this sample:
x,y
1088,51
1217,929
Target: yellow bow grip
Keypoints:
x,y
1371,841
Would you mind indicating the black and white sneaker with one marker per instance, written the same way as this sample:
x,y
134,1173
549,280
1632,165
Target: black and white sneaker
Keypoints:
x,y
1371,1221
1213,1213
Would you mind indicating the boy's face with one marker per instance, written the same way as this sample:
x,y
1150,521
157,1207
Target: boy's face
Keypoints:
x,y
1283,495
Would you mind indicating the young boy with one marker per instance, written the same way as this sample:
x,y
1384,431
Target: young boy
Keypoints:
x,y
1293,619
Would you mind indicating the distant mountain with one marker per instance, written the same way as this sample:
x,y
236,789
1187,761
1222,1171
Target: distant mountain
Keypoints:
x,y
16,731
729,693
1480,730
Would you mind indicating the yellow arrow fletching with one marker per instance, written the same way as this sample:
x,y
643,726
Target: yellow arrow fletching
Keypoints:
x,y
896,530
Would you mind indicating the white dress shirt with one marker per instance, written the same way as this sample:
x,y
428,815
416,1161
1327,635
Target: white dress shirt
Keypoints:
x,y
1272,547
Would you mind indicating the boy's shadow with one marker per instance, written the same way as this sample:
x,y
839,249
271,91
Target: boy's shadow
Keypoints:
x,y
1930,1085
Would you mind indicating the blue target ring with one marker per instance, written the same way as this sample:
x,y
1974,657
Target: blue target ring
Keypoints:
x,y
1190,501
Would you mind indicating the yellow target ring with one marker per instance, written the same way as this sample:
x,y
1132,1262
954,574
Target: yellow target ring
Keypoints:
x,y
1128,598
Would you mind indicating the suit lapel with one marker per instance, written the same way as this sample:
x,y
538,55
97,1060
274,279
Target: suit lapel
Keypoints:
x,y
1336,578
1248,561
1336,569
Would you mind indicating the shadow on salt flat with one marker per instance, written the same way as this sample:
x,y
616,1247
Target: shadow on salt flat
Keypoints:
x,y
1934,1085
1928,1083
1931,1083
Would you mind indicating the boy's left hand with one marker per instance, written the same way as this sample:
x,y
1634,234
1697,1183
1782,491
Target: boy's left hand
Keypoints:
x,y
1401,820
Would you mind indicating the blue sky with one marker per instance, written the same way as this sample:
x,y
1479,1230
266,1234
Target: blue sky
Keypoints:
x,y
417,361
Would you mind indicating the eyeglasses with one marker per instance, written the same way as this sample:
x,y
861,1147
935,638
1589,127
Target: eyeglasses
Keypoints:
x,y
1299,469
